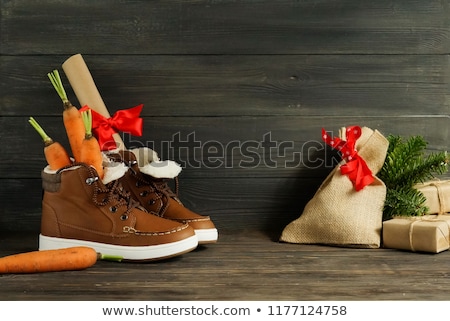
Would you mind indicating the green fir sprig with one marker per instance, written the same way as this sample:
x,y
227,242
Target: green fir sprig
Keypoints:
x,y
406,165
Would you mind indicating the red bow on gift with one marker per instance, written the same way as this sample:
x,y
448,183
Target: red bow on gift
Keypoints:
x,y
126,120
355,167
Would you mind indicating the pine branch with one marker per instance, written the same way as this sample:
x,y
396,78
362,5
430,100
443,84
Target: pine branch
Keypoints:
x,y
402,158
406,165
404,202
428,168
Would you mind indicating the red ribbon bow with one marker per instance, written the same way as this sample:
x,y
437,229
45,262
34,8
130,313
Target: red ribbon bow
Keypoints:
x,y
126,120
355,167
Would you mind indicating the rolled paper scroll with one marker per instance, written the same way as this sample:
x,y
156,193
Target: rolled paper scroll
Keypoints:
x,y
83,85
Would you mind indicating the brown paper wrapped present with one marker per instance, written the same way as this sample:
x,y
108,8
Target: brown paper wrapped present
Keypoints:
x,y
429,233
437,194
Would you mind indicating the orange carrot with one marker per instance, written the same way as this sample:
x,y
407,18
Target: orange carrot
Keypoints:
x,y
91,153
71,116
54,152
72,258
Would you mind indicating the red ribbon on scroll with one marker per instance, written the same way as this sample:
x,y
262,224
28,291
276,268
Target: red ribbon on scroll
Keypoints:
x,y
355,167
126,120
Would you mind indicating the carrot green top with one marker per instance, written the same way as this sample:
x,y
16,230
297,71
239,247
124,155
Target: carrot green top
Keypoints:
x,y
47,140
55,79
87,120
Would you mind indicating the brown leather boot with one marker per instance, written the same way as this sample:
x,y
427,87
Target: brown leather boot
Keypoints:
x,y
147,181
80,209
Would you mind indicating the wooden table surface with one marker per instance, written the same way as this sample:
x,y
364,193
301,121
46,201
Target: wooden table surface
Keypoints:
x,y
242,266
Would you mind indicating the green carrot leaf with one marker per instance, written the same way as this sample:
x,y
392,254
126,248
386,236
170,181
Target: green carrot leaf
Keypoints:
x,y
56,81
47,139
87,121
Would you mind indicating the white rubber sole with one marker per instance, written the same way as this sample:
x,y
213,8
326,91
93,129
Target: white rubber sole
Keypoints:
x,y
206,236
128,253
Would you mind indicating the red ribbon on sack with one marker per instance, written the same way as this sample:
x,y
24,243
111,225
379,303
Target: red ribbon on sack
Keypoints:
x,y
126,120
355,167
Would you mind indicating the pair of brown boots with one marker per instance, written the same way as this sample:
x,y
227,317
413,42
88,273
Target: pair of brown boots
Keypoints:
x,y
131,213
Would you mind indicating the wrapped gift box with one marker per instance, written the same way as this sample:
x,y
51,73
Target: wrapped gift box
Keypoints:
x,y
437,194
429,233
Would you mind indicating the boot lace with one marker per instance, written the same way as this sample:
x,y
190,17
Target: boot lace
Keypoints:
x,y
159,185
162,185
111,193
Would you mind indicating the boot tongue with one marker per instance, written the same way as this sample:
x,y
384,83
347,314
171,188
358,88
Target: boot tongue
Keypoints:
x,y
122,156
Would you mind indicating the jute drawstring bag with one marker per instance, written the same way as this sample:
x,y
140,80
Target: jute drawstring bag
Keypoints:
x,y
341,213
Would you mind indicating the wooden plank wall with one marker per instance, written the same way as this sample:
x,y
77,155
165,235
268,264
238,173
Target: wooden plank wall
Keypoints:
x,y
236,91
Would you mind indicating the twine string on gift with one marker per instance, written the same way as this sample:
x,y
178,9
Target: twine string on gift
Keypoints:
x,y
422,219
126,120
441,196
411,228
355,167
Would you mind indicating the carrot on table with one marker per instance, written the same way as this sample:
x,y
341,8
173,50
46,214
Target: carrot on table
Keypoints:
x,y
72,258
55,154
91,153
71,116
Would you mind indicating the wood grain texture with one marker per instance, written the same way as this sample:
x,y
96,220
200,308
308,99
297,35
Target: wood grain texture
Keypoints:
x,y
243,85
237,92
255,146
224,27
243,266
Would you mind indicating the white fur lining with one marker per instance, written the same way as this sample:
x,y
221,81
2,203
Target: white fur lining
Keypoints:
x,y
112,171
144,155
150,164
161,169
48,170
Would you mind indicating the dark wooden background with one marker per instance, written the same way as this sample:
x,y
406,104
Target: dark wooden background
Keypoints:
x,y
227,73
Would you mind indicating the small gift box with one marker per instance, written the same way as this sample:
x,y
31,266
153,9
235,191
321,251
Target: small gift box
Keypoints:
x,y
437,194
428,233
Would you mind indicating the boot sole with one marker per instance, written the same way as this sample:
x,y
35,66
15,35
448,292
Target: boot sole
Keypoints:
x,y
206,236
128,253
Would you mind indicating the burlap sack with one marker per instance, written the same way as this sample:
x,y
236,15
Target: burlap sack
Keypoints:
x,y
339,215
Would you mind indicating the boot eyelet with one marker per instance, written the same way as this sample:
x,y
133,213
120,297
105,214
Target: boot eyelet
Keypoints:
x,y
123,217
91,180
113,209
144,193
151,202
